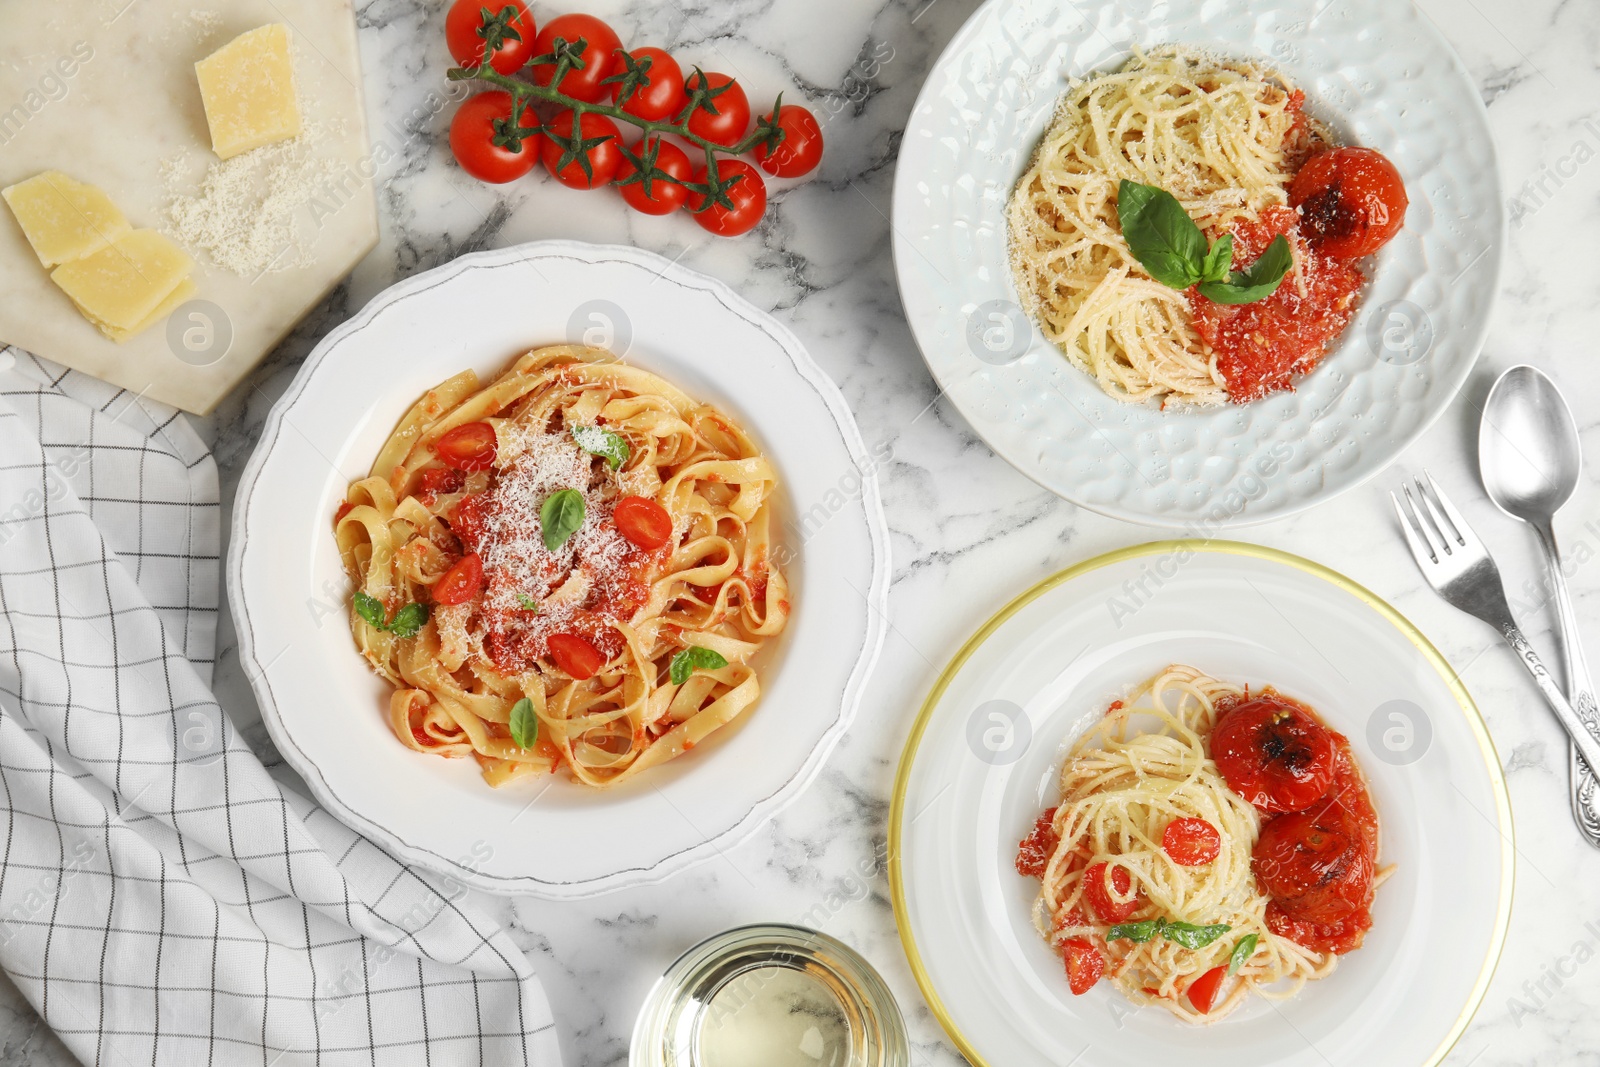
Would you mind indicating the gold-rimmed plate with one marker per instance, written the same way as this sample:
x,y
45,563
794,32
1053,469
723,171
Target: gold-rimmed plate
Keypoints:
x,y
982,761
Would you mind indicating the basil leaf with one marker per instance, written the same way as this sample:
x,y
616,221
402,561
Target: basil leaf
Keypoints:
x,y
408,620
692,659
524,724
1218,260
528,603
1242,952
1138,933
370,608
1160,234
560,517
599,441
1191,936
1257,281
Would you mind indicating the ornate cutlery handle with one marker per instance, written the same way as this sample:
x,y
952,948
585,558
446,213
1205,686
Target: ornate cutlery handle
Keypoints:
x,y
1580,690
1583,726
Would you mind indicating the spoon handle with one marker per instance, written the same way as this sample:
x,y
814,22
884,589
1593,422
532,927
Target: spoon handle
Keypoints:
x,y
1582,727
1580,689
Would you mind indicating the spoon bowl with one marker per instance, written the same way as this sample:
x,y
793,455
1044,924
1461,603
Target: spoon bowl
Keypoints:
x,y
1528,453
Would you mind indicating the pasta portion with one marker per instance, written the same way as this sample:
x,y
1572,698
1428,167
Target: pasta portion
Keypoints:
x,y
569,566
1223,137
1162,914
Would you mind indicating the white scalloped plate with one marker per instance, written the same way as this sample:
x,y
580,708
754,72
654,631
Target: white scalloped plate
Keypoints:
x,y
323,705
986,749
1380,73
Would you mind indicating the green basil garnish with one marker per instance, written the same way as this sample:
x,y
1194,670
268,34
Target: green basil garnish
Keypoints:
x,y
599,441
1186,934
1168,244
370,608
560,517
524,724
406,622
692,659
528,603
1242,952
1138,933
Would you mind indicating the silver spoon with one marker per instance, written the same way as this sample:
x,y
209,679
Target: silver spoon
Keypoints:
x,y
1529,459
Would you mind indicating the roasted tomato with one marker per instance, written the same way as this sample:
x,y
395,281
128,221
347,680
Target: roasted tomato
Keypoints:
x,y
1351,201
1315,864
1274,753
1097,890
1191,842
1085,964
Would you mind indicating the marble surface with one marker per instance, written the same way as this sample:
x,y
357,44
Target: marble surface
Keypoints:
x,y
968,531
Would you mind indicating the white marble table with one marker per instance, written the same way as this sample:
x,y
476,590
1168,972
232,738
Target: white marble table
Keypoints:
x,y
968,531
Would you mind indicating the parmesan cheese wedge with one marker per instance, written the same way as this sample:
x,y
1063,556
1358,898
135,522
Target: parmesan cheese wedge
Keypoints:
x,y
247,87
122,286
185,290
62,218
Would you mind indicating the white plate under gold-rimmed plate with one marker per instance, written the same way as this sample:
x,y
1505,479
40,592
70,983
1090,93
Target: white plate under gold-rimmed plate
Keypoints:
x,y
1381,75
324,706
986,748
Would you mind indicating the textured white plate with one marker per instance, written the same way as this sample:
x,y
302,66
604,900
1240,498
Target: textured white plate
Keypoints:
x,y
289,594
1381,75
986,749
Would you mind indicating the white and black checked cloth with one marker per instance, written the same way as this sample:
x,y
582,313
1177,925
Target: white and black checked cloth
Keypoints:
x,y
162,899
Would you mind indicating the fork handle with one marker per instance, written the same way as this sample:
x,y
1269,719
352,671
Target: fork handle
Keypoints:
x,y
1580,690
1583,727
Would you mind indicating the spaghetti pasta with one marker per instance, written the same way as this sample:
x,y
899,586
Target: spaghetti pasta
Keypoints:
x,y
582,607
1144,766
1221,136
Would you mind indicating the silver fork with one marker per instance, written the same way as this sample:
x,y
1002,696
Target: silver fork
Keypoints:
x,y
1459,568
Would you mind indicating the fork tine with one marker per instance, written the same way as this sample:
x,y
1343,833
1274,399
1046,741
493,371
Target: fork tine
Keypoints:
x,y
1438,543
1414,537
1464,534
1436,520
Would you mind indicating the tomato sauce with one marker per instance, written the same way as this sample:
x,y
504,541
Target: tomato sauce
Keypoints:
x,y
1262,347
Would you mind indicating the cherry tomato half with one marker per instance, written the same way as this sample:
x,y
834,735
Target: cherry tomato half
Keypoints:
x,y
462,582
1085,964
1274,754
721,110
801,148
575,655
1097,891
1314,864
472,138
1191,842
663,197
468,447
643,521
659,95
1351,201
599,42
463,34
748,194
604,157
1203,990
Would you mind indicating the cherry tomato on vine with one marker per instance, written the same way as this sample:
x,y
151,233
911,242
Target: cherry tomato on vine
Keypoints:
x,y
462,34
801,148
473,133
602,147
663,197
469,447
599,42
575,655
726,125
748,194
658,96
462,582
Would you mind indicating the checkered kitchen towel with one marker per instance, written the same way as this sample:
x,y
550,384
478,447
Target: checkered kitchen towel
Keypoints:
x,y
162,899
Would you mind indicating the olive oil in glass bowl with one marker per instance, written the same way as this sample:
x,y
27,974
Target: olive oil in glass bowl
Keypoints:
x,y
770,995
